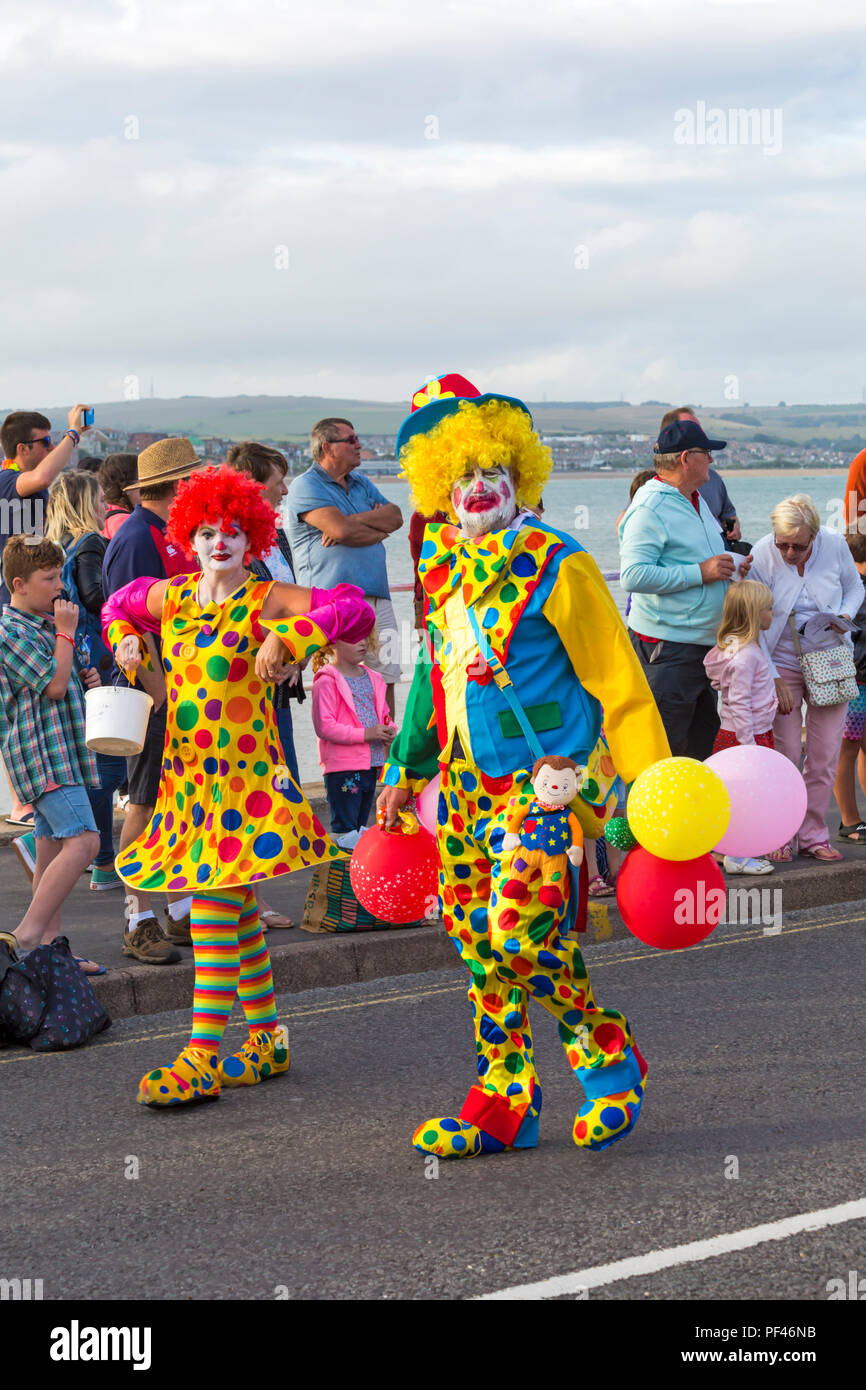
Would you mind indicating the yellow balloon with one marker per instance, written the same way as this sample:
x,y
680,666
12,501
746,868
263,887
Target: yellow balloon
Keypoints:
x,y
678,808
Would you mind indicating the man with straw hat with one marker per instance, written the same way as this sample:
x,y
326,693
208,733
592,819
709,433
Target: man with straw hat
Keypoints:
x,y
140,548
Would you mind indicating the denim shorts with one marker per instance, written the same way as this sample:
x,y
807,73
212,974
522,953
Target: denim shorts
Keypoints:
x,y
62,814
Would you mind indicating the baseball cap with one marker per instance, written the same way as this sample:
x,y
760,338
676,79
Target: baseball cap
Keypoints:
x,y
686,434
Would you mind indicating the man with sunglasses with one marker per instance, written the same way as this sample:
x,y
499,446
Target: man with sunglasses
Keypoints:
x,y
338,520
674,563
30,466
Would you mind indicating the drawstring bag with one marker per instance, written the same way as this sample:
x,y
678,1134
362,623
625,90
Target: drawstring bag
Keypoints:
x,y
46,1001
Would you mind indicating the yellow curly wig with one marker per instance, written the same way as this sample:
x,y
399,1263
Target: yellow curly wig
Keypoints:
x,y
477,436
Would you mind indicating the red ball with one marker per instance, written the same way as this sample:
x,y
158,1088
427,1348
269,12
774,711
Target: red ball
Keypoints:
x,y
396,876
670,903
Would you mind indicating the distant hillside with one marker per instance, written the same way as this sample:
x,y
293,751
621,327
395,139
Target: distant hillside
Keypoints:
x,y
291,418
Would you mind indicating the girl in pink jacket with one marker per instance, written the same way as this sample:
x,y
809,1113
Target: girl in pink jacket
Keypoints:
x,y
354,728
741,671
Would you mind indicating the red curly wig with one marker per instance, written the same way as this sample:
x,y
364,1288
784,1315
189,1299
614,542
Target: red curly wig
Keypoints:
x,y
218,493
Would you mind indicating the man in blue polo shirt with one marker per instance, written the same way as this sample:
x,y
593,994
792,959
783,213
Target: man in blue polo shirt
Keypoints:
x,y
338,521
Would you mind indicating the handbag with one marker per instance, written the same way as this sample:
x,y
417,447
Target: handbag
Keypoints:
x,y
829,675
46,1000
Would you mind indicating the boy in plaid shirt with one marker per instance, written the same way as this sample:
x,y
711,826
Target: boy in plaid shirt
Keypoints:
x,y
42,730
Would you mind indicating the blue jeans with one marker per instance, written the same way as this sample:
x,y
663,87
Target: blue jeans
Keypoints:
x,y
112,772
350,798
287,739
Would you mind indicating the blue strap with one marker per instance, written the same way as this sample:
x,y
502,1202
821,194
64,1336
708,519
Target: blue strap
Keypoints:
x,y
503,680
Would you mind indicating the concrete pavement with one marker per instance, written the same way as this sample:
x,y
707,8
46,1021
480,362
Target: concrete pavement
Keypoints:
x,y
307,1186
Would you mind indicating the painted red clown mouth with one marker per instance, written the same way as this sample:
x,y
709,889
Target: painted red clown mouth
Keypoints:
x,y
483,502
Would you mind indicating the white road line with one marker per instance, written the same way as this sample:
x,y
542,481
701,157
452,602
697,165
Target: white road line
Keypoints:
x,y
585,1279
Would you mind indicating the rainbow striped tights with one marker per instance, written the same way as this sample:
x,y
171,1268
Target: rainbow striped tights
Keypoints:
x,y
231,958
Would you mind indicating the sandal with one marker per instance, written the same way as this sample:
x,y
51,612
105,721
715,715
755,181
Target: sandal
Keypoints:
x,y
824,853
272,918
26,820
82,961
780,856
10,941
854,834
599,888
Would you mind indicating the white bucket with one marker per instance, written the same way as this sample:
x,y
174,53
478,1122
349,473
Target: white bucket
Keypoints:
x,y
116,720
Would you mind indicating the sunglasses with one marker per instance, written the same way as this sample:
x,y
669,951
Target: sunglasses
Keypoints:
x,y
46,440
788,545
347,439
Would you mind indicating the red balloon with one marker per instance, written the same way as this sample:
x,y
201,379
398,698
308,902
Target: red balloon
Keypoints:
x,y
396,876
670,903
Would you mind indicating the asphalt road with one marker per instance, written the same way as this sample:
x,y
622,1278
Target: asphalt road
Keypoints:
x,y
307,1187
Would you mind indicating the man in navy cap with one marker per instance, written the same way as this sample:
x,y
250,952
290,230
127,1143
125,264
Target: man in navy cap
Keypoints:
x,y
674,563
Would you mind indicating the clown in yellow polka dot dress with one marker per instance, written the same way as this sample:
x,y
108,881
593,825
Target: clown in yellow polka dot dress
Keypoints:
x,y
228,815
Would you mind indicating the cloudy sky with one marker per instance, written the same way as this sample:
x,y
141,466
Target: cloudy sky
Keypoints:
x,y
340,198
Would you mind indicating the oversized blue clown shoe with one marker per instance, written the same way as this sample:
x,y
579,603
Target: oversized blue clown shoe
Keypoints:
x,y
459,1138
614,1095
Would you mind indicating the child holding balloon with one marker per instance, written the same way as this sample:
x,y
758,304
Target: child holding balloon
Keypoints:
x,y
741,671
355,730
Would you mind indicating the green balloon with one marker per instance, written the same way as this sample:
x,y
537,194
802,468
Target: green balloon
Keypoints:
x,y
619,835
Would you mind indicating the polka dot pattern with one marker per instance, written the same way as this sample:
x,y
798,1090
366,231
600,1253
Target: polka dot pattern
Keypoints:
x,y
233,819
507,929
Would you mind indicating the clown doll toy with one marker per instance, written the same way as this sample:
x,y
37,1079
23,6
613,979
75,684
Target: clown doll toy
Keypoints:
x,y
228,815
526,648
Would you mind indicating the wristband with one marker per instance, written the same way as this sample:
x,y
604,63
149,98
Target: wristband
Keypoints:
x,y
66,637
73,435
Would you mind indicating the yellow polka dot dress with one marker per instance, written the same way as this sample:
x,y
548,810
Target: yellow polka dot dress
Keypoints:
x,y
228,813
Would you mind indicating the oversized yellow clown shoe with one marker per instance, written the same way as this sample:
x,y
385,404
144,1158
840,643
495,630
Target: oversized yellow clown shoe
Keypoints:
x,y
458,1138
610,1114
193,1076
264,1054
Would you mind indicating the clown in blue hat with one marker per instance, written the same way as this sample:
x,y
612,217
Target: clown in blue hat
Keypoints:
x,y
526,648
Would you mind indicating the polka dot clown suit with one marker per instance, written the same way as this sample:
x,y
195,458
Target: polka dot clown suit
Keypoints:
x,y
552,629
228,814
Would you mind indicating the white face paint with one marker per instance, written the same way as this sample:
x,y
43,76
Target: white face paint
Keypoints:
x,y
484,500
555,786
220,551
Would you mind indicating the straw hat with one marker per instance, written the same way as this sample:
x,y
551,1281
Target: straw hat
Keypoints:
x,y
164,461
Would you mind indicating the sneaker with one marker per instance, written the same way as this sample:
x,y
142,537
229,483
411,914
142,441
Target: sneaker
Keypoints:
x,y
347,841
746,866
103,880
148,944
25,847
264,1054
192,1076
180,932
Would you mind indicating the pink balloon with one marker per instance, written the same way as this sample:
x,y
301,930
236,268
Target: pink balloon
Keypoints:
x,y
768,799
427,805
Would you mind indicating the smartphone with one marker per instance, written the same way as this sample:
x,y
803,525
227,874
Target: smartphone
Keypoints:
x,y
88,418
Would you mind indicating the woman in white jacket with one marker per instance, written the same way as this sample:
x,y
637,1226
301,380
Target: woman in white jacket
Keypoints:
x,y
809,570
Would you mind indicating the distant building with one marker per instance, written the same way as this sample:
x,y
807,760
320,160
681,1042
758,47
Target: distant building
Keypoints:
x,y
137,443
